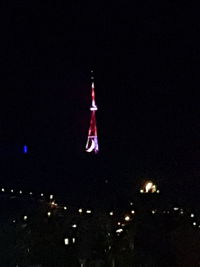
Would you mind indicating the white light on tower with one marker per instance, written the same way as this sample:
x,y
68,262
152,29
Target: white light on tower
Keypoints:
x,y
111,213
2,189
65,208
25,218
132,211
73,240
74,225
20,191
51,197
49,214
11,190
192,215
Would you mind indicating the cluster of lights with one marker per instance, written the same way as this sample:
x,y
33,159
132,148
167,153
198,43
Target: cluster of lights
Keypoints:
x,y
67,241
148,187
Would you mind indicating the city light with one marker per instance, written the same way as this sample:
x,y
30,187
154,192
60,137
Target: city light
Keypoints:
x,y
41,194
20,192
119,230
181,211
49,214
2,189
88,211
51,197
132,211
11,190
65,208
73,240
111,213
127,218
66,241
192,215
149,187
80,210
74,226
25,218
53,204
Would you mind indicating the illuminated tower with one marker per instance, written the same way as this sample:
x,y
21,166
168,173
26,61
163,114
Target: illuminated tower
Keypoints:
x,y
92,140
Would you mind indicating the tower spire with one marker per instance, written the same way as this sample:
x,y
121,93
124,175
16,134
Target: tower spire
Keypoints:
x,y
92,139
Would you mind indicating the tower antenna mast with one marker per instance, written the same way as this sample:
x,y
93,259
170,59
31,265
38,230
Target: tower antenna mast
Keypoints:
x,y
92,139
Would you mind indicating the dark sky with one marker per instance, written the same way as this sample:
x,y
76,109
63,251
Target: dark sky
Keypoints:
x,y
146,63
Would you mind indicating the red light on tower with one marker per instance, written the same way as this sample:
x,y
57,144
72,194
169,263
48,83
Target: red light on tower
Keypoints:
x,y
92,140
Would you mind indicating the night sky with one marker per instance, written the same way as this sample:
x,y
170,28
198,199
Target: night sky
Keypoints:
x,y
146,63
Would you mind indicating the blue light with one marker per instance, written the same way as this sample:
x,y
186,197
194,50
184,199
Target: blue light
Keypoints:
x,y
25,149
